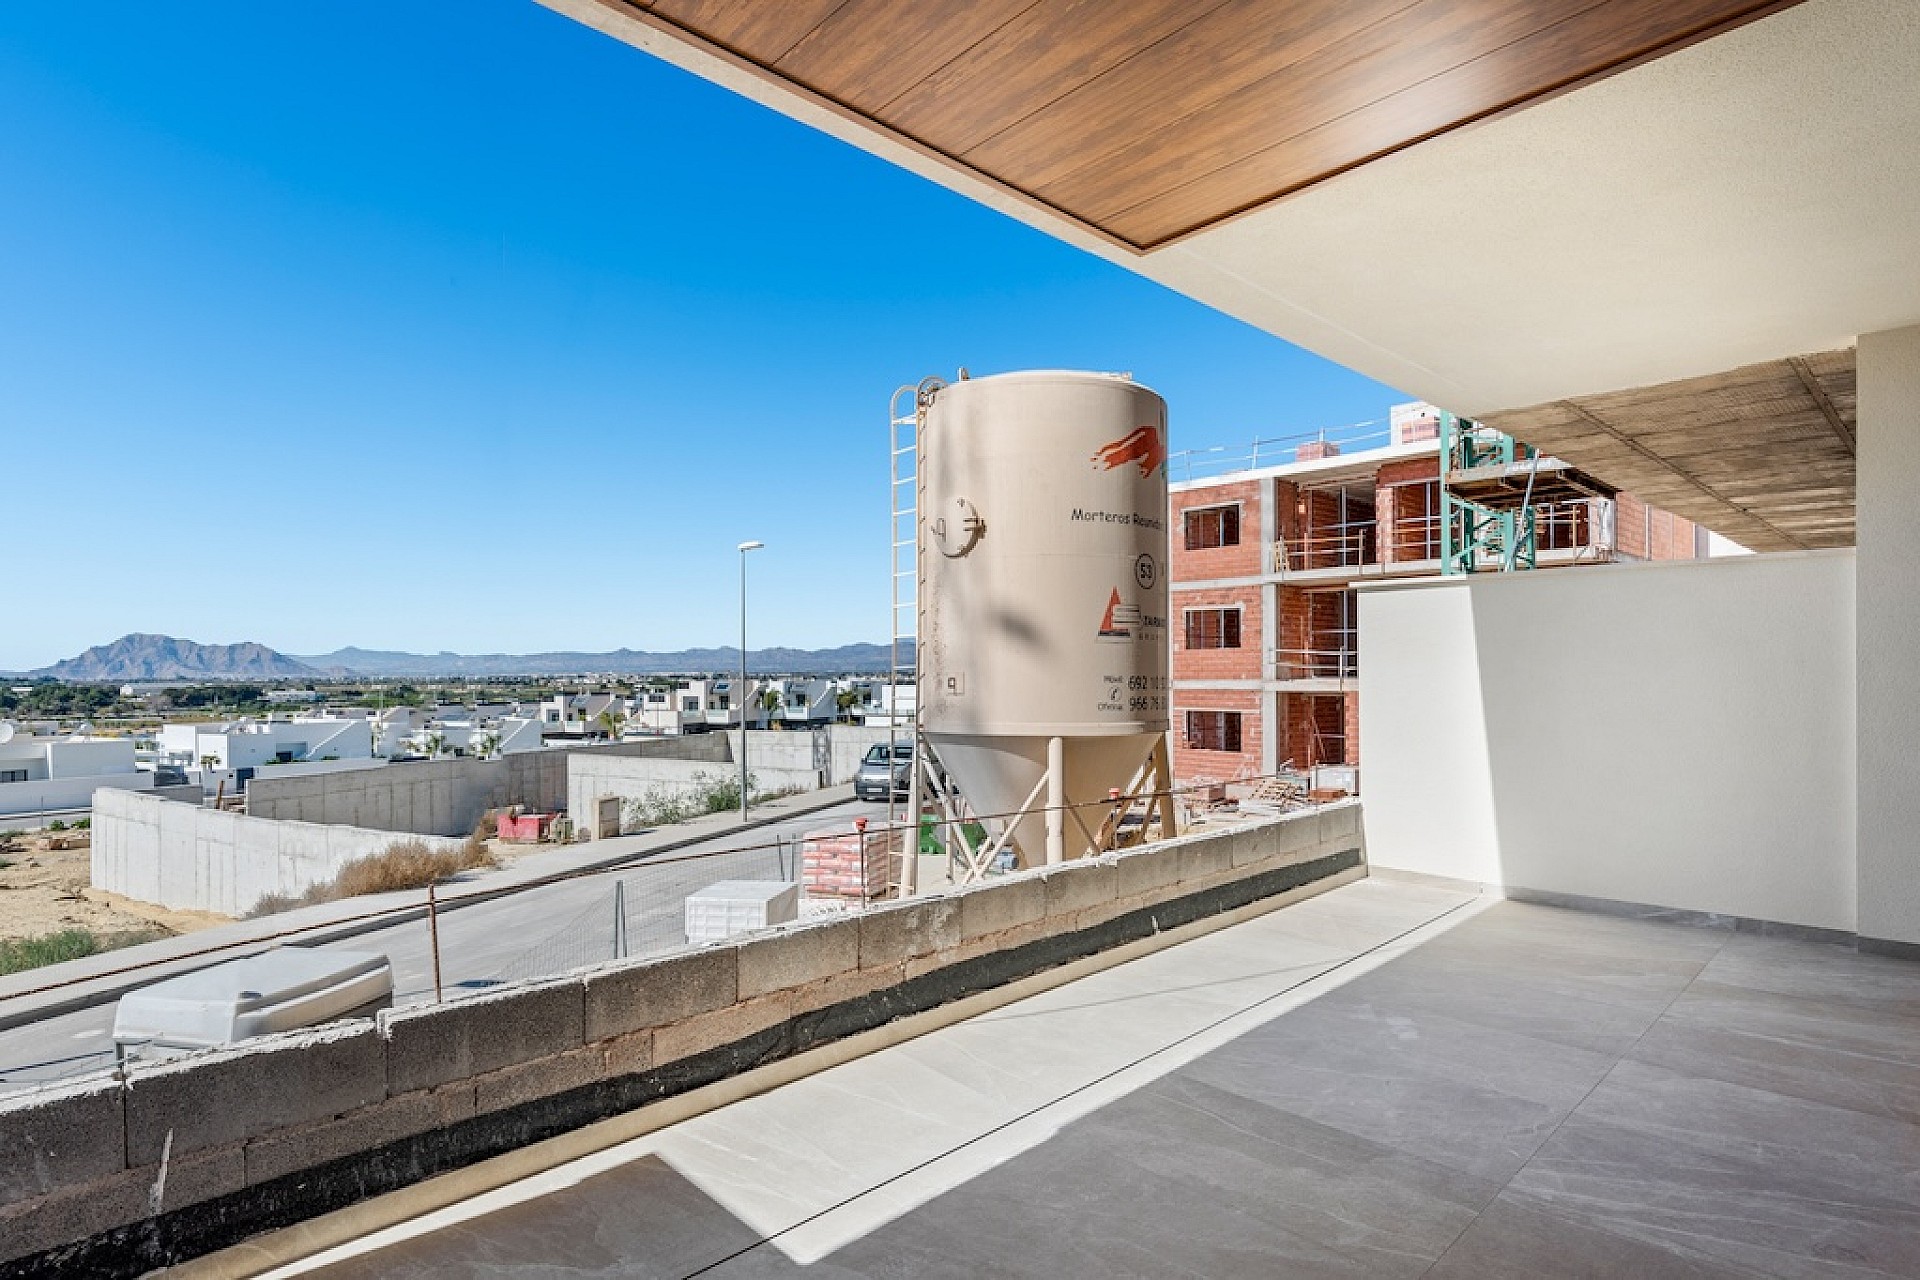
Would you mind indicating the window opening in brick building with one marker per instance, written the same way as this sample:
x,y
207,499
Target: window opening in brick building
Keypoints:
x,y
1336,529
1213,730
1213,628
1562,526
1416,521
1313,729
1210,527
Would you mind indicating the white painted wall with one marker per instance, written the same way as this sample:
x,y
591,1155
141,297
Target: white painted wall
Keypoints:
x,y
1675,734
1888,507
60,795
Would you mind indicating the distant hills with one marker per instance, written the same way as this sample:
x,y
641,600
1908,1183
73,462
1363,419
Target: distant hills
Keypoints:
x,y
150,657
627,662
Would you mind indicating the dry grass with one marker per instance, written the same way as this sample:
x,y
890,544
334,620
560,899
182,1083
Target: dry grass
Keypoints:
x,y
404,864
17,954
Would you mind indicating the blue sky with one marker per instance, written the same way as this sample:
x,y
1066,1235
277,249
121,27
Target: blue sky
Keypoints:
x,y
459,326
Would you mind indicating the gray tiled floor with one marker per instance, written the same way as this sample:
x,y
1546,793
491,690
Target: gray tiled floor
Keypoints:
x,y
1535,1092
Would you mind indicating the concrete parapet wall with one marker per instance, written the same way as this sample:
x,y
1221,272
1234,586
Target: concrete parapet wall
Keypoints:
x,y
115,1177
190,858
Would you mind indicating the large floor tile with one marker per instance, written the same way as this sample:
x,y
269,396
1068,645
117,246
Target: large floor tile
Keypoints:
x,y
1819,971
1779,1185
1535,925
1794,1047
1512,1241
1398,1099
1257,1196
642,1220
1511,998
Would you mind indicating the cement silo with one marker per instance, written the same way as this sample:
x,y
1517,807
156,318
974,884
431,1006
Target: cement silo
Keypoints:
x,y
1043,595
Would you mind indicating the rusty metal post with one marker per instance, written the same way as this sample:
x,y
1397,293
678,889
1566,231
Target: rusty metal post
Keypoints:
x,y
433,933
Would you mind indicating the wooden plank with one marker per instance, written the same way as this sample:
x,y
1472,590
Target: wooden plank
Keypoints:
x,y
761,32
1374,63
869,52
1031,62
1575,49
1818,394
1238,44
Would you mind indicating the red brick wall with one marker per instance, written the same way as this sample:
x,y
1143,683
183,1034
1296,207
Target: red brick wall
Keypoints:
x,y
1399,507
1217,664
1309,623
1311,726
1189,763
1633,520
1316,534
1243,561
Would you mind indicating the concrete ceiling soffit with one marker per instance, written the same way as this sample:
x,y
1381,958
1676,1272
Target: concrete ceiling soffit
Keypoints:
x,y
1762,454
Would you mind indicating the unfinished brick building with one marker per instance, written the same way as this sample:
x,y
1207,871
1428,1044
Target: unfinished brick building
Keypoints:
x,y
1265,558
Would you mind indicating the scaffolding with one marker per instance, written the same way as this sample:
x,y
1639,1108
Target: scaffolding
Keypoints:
x,y
1476,536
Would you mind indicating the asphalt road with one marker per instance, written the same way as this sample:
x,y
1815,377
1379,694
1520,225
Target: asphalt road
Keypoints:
x,y
541,931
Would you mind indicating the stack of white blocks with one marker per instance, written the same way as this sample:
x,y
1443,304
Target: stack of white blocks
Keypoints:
x,y
733,906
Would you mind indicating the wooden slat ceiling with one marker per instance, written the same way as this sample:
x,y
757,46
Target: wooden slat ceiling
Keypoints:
x,y
1146,120
1764,454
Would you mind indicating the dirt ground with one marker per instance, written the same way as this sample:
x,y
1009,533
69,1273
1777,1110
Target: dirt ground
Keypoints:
x,y
45,890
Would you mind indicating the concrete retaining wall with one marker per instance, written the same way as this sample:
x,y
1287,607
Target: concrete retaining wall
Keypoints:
x,y
115,1177
844,744
192,858
591,778
425,797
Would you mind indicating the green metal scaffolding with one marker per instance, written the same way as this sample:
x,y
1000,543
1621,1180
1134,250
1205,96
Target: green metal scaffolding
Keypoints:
x,y
1476,538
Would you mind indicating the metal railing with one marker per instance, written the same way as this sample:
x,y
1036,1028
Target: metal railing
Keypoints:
x,y
1339,663
1274,451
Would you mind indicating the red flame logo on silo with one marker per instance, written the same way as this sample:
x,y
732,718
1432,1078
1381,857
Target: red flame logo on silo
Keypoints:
x,y
1143,445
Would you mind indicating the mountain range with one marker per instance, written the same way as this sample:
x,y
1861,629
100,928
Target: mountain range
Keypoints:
x,y
153,657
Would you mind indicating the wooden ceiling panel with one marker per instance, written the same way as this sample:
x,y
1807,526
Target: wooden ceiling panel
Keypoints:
x,y
872,51
1348,75
1762,454
1033,61
1146,120
761,33
1387,100
1240,44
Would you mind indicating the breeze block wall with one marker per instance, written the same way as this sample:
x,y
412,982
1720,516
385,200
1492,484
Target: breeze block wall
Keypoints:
x,y
118,1175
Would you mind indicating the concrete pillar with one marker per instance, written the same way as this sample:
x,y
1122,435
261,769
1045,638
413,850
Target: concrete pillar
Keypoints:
x,y
1270,498
1887,621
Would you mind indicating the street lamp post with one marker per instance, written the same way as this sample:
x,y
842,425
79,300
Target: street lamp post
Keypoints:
x,y
740,694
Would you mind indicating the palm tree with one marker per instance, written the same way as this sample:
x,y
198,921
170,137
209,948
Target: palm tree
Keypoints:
x,y
435,744
487,745
610,721
769,702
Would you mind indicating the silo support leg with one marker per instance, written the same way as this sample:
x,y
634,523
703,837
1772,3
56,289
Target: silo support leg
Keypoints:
x,y
1163,788
1056,801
